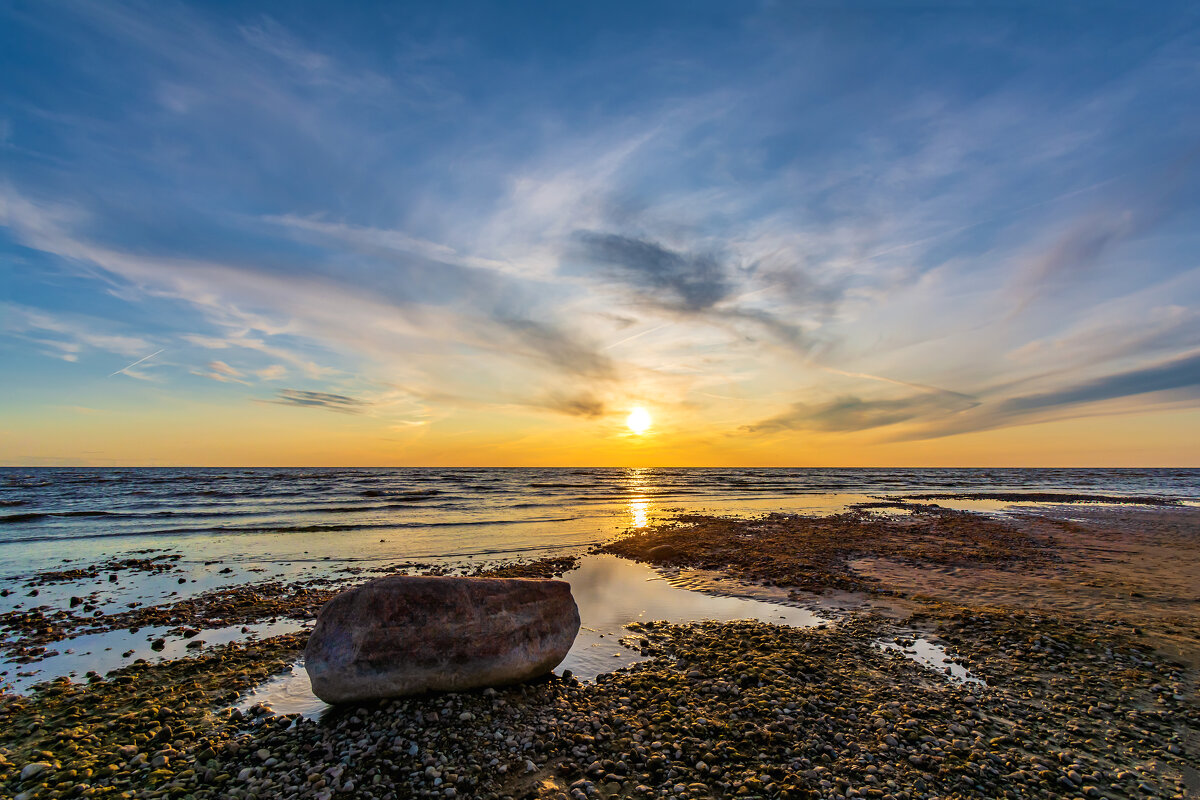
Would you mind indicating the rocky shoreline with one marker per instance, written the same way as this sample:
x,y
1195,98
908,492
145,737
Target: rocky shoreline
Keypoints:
x,y
1072,706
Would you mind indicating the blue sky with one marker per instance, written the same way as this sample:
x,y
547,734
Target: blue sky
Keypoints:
x,y
785,228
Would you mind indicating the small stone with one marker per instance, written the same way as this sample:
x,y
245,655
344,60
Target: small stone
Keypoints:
x,y
31,771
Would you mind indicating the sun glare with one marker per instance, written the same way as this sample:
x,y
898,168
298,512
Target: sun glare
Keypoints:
x,y
638,420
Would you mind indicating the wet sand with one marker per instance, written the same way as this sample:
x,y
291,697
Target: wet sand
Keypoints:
x,y
1137,566
1076,625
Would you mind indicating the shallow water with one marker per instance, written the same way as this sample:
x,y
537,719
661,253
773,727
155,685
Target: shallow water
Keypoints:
x,y
932,656
104,652
286,514
243,526
297,524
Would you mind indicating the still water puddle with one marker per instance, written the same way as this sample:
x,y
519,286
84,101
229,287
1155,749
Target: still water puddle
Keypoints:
x,y
932,656
611,592
104,652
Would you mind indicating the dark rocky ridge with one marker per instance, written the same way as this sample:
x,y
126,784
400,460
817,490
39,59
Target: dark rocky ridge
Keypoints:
x,y
812,553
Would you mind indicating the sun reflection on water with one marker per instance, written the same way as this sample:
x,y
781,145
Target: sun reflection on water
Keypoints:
x,y
637,483
639,512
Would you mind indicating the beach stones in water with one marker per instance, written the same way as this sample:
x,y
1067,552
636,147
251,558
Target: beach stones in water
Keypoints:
x,y
405,635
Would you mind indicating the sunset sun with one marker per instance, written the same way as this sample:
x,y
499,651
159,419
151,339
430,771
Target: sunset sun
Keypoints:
x,y
638,420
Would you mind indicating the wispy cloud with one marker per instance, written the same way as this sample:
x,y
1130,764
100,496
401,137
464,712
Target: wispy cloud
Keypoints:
x,y
850,413
575,405
692,281
340,403
274,372
1146,202
221,372
67,336
1165,383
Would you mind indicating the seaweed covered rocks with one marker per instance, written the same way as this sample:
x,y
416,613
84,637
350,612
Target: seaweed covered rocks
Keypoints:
x,y
410,634
813,553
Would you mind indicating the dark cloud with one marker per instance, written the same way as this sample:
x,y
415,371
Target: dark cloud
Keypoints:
x,y
851,413
333,402
789,334
574,405
562,349
1181,373
948,413
799,286
695,282
688,281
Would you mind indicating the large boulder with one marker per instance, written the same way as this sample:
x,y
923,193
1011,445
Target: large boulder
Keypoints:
x,y
405,635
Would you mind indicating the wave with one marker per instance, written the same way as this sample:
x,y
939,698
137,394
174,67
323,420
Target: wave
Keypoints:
x,y
236,529
42,502
28,516
415,494
396,504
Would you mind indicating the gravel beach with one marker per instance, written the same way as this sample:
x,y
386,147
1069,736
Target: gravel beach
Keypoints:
x,y
1062,702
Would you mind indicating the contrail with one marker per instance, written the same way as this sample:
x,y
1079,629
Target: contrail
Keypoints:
x,y
636,335
922,386
134,364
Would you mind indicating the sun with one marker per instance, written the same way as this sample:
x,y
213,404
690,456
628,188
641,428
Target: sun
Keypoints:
x,y
638,420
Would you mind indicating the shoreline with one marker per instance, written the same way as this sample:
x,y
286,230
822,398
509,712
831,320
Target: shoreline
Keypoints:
x,y
1060,614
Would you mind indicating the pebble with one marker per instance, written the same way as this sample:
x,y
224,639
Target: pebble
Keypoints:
x,y
31,771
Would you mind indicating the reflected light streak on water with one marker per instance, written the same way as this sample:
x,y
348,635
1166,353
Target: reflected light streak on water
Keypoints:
x,y
639,512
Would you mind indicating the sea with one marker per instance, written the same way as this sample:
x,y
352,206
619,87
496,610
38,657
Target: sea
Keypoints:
x,y
222,527
305,515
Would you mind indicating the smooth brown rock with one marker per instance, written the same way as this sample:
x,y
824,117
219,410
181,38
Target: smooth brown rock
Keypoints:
x,y
406,635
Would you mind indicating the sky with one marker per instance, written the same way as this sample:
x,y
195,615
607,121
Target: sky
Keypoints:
x,y
792,233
